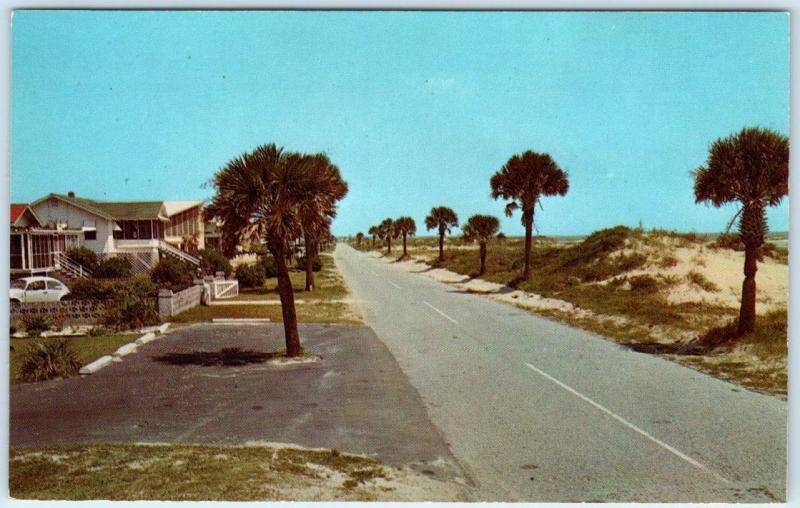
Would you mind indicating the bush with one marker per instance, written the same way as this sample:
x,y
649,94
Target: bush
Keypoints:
x,y
316,264
133,305
729,241
35,324
91,289
84,257
214,261
700,280
48,359
97,331
643,284
270,269
113,268
171,274
250,276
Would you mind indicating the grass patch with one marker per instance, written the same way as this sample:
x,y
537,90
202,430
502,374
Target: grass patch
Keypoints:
x,y
315,313
86,349
329,285
189,473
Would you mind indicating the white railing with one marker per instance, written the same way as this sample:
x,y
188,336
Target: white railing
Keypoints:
x,y
176,252
70,267
225,288
140,261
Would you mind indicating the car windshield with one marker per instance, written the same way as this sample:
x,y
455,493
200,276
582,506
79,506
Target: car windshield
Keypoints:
x,y
18,284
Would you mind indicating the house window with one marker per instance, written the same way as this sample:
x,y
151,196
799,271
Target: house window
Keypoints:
x,y
90,235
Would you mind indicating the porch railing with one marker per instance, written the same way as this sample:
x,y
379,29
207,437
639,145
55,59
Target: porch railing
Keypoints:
x,y
176,252
70,267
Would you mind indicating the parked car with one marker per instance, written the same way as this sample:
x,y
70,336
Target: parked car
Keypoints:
x,y
37,289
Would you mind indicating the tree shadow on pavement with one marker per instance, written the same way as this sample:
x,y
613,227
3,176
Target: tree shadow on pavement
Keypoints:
x,y
716,339
228,357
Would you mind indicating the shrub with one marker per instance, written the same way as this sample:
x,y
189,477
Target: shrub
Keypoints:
x,y
97,331
171,274
133,304
270,270
113,268
643,284
729,241
250,276
84,257
48,359
35,324
214,261
700,280
316,264
91,289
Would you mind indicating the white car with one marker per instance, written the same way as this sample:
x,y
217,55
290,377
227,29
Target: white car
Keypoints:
x,y
37,289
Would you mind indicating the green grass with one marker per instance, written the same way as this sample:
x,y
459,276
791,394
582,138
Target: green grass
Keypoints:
x,y
306,313
329,285
188,473
86,348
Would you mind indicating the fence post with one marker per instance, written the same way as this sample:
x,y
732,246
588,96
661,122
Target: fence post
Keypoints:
x,y
165,302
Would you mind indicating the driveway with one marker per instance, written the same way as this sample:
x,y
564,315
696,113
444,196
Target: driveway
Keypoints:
x,y
539,411
356,399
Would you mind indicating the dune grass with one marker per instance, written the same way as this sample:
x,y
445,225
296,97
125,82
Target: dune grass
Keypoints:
x,y
189,473
87,349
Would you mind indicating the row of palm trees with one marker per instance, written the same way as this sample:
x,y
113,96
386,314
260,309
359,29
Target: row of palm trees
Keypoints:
x,y
522,181
750,168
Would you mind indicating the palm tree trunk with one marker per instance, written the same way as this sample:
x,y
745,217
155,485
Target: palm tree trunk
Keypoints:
x,y
483,258
309,264
389,244
286,292
526,272
747,312
405,251
441,244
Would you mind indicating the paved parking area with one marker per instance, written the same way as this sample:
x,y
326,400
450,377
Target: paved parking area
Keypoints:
x,y
356,399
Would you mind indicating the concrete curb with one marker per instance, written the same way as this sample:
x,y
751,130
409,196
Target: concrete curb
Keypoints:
x,y
96,365
124,350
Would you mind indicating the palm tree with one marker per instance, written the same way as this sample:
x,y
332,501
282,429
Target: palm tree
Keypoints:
x,y
317,211
375,231
258,195
407,227
443,218
359,238
481,229
387,232
524,180
752,169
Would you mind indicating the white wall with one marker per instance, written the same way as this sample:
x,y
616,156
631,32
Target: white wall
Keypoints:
x,y
56,211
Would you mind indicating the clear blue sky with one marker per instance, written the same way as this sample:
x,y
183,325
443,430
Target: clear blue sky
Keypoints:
x,y
417,109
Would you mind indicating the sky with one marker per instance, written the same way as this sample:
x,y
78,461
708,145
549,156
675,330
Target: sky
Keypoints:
x,y
418,109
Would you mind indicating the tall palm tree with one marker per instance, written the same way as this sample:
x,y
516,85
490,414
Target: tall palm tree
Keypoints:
x,y
387,232
359,238
258,195
750,168
524,180
405,226
317,211
374,231
481,229
443,218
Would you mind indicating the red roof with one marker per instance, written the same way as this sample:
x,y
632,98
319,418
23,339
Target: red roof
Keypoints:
x,y
17,209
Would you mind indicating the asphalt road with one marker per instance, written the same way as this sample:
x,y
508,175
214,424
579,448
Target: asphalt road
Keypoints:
x,y
538,411
350,400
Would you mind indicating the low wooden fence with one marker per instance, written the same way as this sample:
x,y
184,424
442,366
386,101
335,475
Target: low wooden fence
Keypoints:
x,y
170,304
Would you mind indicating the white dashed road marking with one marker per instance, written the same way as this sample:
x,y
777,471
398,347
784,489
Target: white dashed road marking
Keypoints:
x,y
440,312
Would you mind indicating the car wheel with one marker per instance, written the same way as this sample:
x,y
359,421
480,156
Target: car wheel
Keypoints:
x,y
14,300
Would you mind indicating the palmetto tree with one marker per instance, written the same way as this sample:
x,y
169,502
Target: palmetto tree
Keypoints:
x,y
750,168
481,229
359,238
387,233
317,210
524,180
375,232
258,195
444,219
406,227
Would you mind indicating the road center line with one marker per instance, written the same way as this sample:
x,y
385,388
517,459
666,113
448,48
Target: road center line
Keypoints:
x,y
440,312
631,426
395,285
